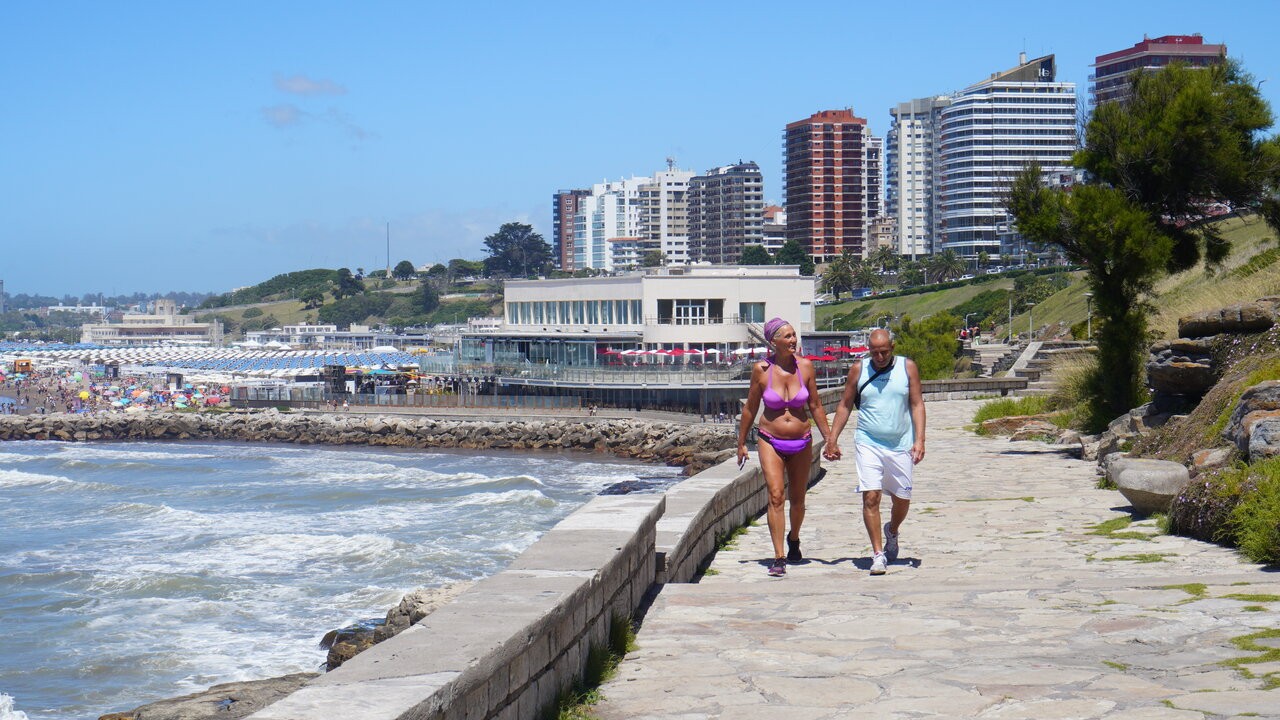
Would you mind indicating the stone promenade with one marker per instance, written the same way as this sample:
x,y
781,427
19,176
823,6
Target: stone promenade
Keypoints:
x,y
1003,604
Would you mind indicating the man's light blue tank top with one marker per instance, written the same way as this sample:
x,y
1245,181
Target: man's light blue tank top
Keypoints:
x,y
884,418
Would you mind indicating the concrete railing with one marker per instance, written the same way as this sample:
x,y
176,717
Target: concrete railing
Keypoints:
x,y
958,389
513,642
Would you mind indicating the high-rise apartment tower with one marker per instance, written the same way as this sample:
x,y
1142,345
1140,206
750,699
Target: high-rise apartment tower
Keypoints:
x,y
832,184
911,196
564,205
1113,71
726,213
990,132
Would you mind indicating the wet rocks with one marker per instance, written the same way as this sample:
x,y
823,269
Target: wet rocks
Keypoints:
x,y
228,701
673,443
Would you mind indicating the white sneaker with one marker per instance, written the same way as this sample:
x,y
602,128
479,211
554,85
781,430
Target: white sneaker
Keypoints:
x,y
890,543
878,564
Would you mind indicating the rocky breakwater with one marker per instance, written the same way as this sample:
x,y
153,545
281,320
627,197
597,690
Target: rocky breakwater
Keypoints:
x,y
692,446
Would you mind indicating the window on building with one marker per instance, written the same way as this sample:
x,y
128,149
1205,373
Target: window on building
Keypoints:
x,y
751,312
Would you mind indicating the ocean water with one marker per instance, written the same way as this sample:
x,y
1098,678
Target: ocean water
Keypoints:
x,y
131,572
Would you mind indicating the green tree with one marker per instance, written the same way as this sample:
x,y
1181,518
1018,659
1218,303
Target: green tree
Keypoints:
x,y
944,266
984,259
865,276
653,258
837,276
403,270
428,297
931,342
756,255
252,312
911,274
885,258
1185,139
516,251
347,285
791,253
312,298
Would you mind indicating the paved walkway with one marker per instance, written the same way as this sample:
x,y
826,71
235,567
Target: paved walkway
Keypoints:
x,y
1002,605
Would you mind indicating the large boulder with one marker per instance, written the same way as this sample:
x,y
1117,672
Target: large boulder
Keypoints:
x,y
1149,485
1247,317
1264,441
1259,403
220,702
1011,424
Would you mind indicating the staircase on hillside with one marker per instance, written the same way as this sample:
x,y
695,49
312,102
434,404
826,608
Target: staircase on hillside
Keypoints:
x,y
989,358
1037,361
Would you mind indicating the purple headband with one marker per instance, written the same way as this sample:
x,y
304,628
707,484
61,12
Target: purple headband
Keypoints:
x,y
772,327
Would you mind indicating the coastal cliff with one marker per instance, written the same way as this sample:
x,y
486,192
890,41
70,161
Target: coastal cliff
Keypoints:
x,y
692,446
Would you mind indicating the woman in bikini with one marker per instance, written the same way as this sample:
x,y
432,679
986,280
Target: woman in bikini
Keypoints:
x,y
784,382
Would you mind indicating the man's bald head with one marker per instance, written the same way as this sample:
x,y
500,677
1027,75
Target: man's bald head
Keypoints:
x,y
881,337
881,346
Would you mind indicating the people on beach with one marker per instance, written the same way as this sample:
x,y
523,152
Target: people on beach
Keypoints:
x,y
889,440
784,382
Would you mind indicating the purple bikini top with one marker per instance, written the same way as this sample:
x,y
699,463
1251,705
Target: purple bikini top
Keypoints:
x,y
774,401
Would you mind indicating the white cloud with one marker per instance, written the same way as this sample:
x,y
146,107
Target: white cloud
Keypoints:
x,y
283,115
303,85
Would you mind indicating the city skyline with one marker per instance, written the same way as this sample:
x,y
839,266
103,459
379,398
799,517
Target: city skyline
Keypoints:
x,y
155,148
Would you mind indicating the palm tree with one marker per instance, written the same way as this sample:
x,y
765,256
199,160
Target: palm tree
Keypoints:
x,y
837,276
885,258
911,274
984,259
945,265
865,275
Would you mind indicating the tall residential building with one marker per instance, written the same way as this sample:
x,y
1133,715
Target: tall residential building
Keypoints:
x,y
1112,72
664,218
608,217
726,213
775,228
911,196
990,131
564,205
832,186
617,223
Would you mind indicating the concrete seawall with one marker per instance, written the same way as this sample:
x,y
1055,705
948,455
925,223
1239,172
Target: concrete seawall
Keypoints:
x,y
512,643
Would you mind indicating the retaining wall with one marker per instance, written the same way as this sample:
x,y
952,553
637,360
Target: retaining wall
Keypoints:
x,y
507,647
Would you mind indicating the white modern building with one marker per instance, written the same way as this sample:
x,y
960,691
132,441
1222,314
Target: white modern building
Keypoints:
x,y
910,178
990,131
306,336
164,327
619,222
705,310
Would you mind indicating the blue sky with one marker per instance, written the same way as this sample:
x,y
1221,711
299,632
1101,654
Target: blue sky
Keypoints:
x,y
169,146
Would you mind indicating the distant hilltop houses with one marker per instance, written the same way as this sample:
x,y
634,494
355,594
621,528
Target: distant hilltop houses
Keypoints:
x,y
934,182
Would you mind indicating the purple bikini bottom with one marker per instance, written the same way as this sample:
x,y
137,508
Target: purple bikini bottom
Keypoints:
x,y
787,447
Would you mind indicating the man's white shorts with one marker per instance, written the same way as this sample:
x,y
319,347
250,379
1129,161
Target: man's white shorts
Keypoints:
x,y
888,470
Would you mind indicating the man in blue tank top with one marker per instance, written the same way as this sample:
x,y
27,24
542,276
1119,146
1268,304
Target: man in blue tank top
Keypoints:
x,y
889,440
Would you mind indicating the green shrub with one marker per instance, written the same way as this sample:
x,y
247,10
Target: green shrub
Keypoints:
x,y
1007,407
1203,508
1255,520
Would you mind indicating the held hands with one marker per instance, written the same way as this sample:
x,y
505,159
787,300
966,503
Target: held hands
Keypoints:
x,y
832,451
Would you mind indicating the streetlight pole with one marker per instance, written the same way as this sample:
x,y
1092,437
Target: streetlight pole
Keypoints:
x,y
1031,329
1088,304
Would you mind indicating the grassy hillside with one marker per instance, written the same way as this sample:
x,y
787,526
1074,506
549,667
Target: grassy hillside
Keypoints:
x,y
1252,271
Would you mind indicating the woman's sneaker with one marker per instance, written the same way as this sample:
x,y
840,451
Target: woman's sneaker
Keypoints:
x,y
890,543
793,551
878,564
778,568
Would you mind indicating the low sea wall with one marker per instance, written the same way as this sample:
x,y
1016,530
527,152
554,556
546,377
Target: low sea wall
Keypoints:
x,y
511,644
951,389
693,446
